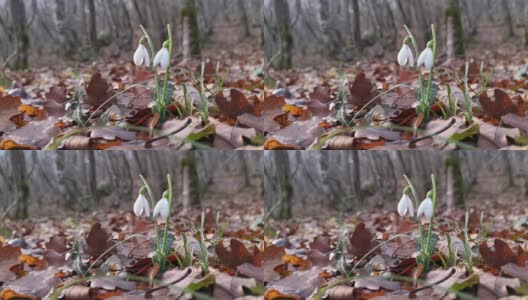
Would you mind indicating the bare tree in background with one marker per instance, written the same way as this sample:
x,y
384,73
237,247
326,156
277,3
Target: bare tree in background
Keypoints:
x,y
454,181
18,13
278,29
277,185
191,187
246,32
191,31
93,24
21,183
93,177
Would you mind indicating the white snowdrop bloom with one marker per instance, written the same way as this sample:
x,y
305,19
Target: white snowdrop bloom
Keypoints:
x,y
406,56
426,59
141,56
425,209
162,59
162,209
141,206
405,206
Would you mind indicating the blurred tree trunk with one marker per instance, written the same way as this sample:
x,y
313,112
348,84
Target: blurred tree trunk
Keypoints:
x,y
244,20
509,171
357,23
330,28
284,211
191,31
509,19
455,31
18,13
93,24
93,177
282,13
70,40
454,181
403,11
67,186
245,171
22,187
191,188
357,178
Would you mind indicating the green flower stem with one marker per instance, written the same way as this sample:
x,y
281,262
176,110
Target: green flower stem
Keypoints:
x,y
163,250
152,53
415,196
431,75
427,251
417,50
152,204
164,101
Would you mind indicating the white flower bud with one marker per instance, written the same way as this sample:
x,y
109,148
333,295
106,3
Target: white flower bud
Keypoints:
x,y
141,56
141,206
162,59
162,209
426,209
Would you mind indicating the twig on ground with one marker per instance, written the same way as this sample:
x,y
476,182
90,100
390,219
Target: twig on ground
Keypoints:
x,y
148,294
451,273
187,123
451,123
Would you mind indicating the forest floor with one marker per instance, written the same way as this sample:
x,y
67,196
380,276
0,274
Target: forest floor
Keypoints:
x,y
107,105
365,255
372,255
372,104
107,255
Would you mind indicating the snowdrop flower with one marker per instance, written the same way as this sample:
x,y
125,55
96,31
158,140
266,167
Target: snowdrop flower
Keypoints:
x,y
405,205
426,208
426,57
141,55
406,55
162,208
162,58
141,205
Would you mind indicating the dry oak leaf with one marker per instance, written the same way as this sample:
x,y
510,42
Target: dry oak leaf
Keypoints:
x,y
46,280
12,145
502,254
98,92
501,105
33,112
8,108
8,257
9,294
362,241
237,254
97,241
276,295
276,145
271,258
362,91
32,261
36,134
235,105
301,284
272,109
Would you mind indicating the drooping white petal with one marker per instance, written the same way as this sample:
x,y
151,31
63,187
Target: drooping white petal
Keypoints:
x,y
147,57
162,209
141,206
141,56
162,59
425,209
411,57
405,206
405,56
426,59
